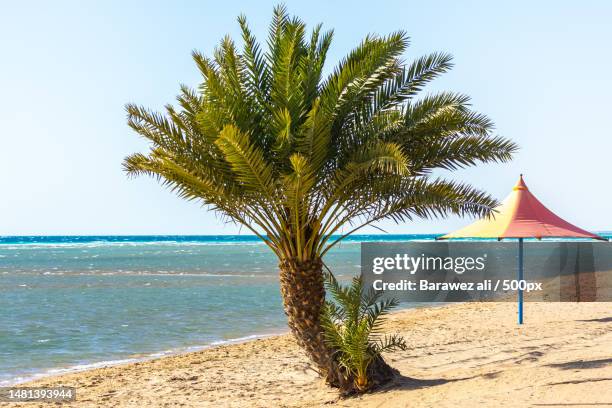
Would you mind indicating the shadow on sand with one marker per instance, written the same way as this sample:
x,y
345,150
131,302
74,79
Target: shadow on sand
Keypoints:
x,y
588,380
576,365
570,404
602,320
402,382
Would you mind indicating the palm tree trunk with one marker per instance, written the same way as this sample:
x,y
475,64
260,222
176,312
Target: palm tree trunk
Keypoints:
x,y
303,293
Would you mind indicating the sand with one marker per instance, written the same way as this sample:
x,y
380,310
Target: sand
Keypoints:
x,y
462,355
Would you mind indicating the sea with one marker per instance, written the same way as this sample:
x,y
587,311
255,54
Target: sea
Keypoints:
x,y
70,303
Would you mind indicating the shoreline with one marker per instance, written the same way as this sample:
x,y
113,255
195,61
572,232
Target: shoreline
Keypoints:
x,y
50,373
458,354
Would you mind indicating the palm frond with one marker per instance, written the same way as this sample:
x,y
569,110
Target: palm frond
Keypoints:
x,y
308,154
352,324
247,162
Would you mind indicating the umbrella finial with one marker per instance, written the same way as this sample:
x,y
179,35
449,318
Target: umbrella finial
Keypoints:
x,y
520,185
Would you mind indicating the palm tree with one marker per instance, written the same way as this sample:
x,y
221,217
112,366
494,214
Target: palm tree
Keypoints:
x,y
352,327
297,158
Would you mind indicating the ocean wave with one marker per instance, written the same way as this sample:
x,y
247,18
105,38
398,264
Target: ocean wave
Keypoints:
x,y
105,244
154,274
135,240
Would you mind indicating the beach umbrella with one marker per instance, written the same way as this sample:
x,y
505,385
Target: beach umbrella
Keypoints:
x,y
521,215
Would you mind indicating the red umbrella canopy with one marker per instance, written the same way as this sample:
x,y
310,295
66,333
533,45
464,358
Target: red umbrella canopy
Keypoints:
x,y
522,215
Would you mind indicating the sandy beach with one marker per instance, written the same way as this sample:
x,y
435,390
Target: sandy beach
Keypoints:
x,y
459,355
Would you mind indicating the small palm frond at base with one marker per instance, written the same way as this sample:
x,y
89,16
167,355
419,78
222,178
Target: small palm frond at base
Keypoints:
x,y
352,322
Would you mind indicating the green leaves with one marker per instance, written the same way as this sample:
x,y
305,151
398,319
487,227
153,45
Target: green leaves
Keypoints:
x,y
380,157
281,129
297,185
313,137
270,143
154,126
352,322
255,65
439,198
247,162
361,73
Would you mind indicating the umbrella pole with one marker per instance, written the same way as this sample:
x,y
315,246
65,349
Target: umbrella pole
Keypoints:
x,y
520,278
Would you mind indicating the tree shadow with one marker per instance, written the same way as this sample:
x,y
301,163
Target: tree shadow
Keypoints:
x,y
401,382
581,381
575,365
572,404
602,320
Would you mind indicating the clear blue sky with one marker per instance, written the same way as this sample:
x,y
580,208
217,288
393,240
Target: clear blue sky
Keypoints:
x,y
540,70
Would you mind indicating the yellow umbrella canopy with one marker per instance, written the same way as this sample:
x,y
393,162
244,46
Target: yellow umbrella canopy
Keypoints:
x,y
521,215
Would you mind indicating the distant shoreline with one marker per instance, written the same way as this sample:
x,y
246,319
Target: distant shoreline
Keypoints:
x,y
215,238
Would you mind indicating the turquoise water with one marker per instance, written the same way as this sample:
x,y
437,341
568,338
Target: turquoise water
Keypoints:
x,y
76,302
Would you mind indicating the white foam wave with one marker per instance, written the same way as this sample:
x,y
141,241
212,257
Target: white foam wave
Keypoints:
x,y
99,244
